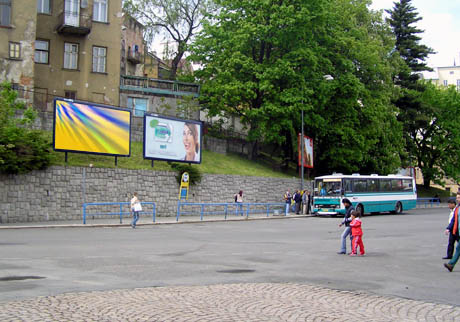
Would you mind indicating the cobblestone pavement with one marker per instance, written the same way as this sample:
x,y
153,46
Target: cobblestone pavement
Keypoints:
x,y
226,302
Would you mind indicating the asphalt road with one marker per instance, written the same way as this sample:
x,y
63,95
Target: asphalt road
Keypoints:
x,y
403,256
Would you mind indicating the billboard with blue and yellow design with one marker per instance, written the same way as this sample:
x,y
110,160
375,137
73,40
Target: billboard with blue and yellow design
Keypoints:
x,y
91,128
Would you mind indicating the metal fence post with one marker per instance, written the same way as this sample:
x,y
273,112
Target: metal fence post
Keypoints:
x,y
84,213
247,211
226,209
121,213
202,210
154,211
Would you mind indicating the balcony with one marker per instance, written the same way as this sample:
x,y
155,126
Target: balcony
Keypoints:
x,y
73,23
153,86
135,58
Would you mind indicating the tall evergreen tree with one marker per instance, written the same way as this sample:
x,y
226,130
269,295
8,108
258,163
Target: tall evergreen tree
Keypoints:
x,y
403,19
413,113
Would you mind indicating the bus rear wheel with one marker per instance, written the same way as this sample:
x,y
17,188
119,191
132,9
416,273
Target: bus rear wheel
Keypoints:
x,y
398,208
360,210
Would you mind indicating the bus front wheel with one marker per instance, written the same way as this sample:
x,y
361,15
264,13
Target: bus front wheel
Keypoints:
x,y
360,210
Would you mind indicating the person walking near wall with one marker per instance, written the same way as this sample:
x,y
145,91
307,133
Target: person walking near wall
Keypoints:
x,y
239,203
136,208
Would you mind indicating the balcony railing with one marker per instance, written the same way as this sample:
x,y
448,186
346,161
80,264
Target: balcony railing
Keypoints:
x,y
74,23
158,86
135,58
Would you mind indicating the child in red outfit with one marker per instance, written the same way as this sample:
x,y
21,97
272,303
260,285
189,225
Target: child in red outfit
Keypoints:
x,y
357,234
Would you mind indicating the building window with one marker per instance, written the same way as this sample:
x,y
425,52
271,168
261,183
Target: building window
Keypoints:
x,y
71,95
70,56
139,105
100,10
42,51
43,6
99,59
5,12
445,82
15,50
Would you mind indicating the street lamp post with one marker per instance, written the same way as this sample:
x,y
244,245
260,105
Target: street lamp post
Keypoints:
x,y
302,141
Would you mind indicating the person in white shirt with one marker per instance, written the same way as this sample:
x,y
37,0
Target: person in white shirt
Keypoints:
x,y
136,208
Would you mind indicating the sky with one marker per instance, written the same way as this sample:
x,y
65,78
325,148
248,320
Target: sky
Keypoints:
x,y
441,23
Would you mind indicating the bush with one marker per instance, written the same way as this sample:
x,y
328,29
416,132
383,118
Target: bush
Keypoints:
x,y
21,148
193,172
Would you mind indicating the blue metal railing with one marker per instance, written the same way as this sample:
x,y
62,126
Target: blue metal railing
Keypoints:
x,y
119,209
428,201
239,209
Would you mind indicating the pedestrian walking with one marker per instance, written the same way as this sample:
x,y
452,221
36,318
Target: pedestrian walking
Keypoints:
x,y
357,234
297,200
136,208
287,199
452,237
454,229
304,202
239,203
346,221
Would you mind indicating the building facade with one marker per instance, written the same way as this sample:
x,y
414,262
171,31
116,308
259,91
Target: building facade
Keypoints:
x,y
18,21
67,48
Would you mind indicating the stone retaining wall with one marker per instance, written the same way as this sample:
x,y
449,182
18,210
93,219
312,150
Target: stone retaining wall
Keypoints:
x,y
59,192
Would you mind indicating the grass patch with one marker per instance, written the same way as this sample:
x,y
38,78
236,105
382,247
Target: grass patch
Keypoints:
x,y
212,162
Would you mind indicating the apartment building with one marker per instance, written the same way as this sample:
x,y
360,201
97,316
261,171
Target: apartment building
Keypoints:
x,y
66,48
18,21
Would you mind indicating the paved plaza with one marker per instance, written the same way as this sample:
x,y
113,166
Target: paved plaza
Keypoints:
x,y
227,302
261,270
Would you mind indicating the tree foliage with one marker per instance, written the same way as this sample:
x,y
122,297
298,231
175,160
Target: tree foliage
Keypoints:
x,y
414,115
176,20
435,134
265,61
21,149
402,19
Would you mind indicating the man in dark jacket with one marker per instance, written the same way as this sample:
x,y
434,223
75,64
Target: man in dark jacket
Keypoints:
x,y
453,228
346,221
298,200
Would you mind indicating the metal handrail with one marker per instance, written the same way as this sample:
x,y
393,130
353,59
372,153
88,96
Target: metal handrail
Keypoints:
x,y
120,212
430,201
242,209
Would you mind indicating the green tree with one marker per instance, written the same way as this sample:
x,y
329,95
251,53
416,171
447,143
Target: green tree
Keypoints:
x,y
436,134
402,19
176,20
413,114
264,61
21,148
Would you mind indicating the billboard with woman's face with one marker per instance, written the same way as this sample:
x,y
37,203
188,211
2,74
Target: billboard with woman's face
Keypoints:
x,y
91,128
172,139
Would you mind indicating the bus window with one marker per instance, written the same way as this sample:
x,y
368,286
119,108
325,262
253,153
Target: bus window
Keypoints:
x,y
385,185
396,185
372,185
407,185
360,185
347,185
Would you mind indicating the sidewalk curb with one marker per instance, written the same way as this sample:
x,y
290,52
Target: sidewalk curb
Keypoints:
x,y
150,224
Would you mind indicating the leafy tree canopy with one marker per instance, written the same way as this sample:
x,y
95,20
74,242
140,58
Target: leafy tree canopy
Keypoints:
x,y
265,61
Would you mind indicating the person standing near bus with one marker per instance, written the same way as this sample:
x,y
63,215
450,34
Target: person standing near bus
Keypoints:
x,y
287,199
346,221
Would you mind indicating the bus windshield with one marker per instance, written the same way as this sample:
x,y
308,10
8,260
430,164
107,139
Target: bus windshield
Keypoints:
x,y
328,187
